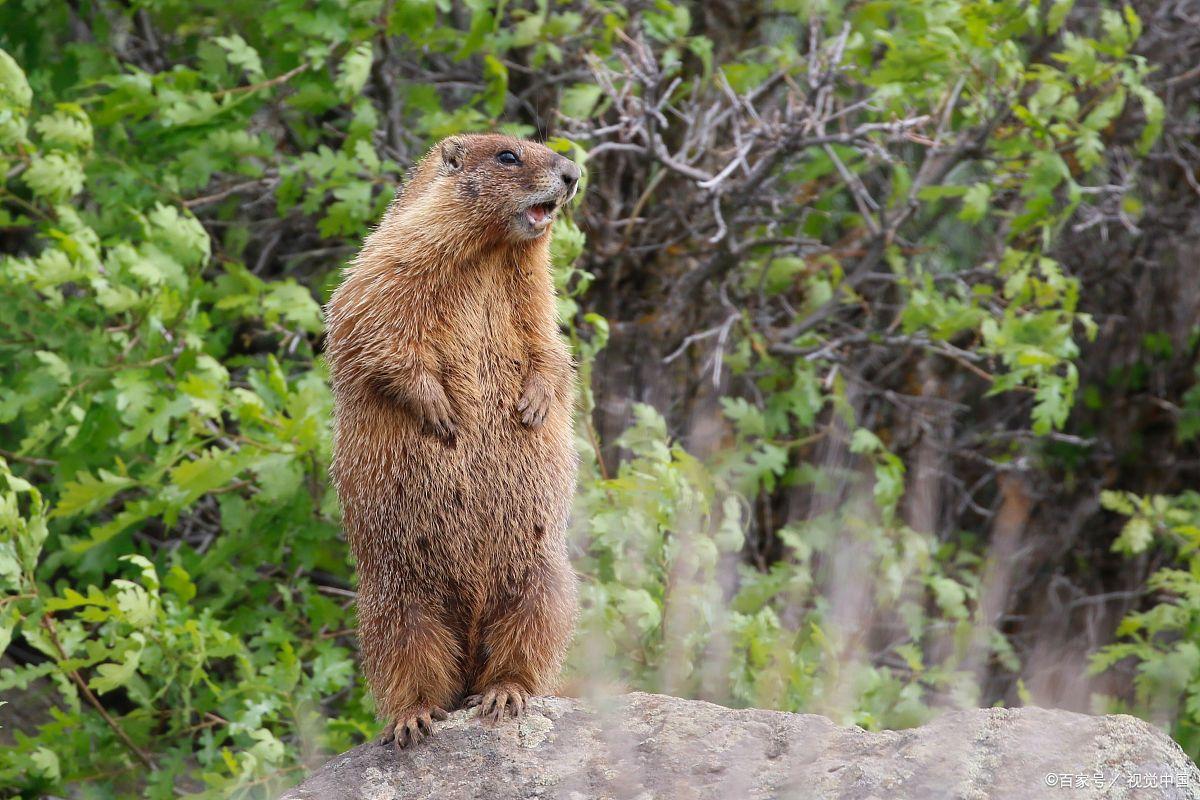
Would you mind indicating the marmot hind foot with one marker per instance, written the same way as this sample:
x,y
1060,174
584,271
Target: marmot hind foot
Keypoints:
x,y
499,700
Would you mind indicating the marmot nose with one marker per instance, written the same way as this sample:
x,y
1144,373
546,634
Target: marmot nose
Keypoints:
x,y
569,171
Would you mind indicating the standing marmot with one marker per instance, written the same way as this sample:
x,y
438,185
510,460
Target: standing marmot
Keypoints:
x,y
453,452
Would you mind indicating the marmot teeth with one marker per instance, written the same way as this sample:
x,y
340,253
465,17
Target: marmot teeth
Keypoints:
x,y
539,214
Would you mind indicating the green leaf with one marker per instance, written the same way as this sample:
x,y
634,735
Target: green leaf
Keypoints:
x,y
9,617
671,22
179,582
639,608
180,235
578,101
45,761
15,94
1106,110
495,75
1058,14
67,128
950,596
213,469
55,366
413,18
976,202
865,441
354,70
87,493
292,303
242,55
113,675
54,176
138,607
1153,108
1117,501
1135,537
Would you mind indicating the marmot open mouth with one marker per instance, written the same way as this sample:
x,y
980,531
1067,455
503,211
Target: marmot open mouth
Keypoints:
x,y
539,214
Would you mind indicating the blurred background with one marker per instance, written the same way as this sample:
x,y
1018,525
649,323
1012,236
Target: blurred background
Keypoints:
x,y
885,312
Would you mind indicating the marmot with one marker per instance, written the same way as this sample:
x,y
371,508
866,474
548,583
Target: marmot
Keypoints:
x,y
454,457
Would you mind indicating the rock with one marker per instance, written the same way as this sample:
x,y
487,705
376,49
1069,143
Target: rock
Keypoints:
x,y
648,746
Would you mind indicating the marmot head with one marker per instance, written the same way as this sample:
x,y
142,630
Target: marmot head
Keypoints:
x,y
509,187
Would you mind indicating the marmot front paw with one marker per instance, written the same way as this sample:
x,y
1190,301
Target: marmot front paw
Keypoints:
x,y
437,416
535,401
412,726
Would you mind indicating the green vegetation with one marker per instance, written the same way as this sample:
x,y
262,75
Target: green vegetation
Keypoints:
x,y
845,236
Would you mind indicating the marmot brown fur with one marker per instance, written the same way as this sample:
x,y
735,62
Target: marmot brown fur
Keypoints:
x,y
453,453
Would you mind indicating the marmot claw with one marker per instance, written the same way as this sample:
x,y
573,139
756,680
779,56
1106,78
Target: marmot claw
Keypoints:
x,y
497,701
534,404
437,414
412,726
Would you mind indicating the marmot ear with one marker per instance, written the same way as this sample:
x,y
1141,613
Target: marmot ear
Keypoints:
x,y
453,150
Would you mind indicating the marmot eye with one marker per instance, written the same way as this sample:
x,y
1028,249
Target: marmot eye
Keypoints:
x,y
507,157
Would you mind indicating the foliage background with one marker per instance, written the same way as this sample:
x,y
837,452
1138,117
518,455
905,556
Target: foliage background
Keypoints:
x,y
887,314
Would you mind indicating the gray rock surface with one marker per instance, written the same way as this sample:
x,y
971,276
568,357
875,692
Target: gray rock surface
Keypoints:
x,y
648,746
